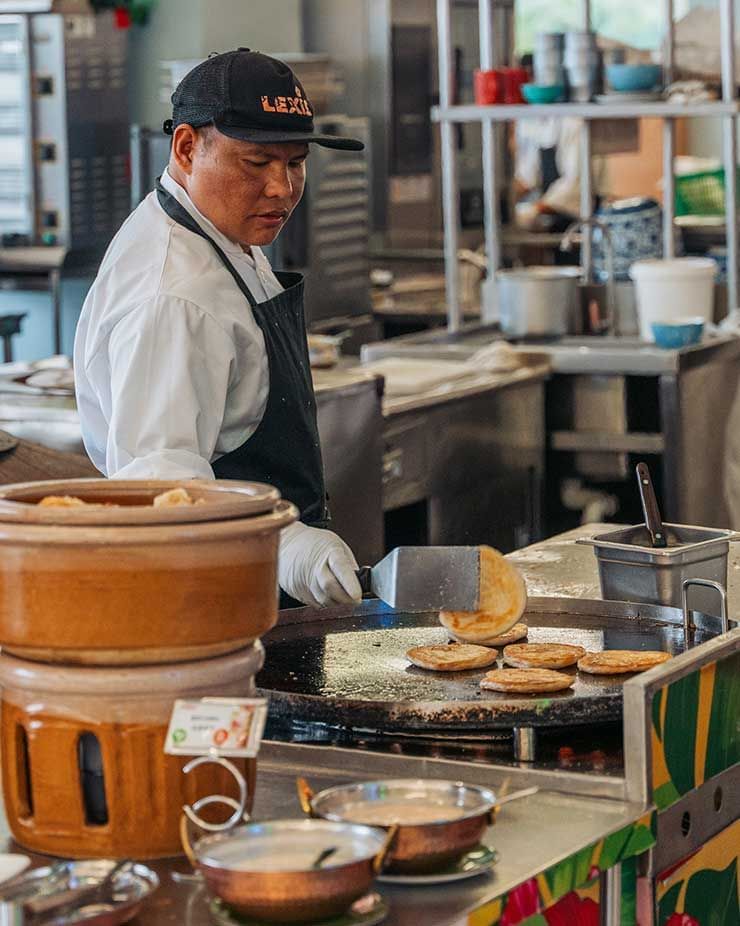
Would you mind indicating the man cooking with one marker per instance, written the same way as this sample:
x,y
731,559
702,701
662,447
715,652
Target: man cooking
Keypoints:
x,y
191,358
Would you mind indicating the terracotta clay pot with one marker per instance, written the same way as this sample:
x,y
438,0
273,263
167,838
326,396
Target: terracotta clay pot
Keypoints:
x,y
84,773
136,584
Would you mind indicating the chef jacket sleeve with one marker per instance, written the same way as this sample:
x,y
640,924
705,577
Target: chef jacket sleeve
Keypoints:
x,y
527,157
170,366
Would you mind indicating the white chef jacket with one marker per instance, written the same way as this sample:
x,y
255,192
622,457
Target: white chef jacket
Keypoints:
x,y
170,365
564,195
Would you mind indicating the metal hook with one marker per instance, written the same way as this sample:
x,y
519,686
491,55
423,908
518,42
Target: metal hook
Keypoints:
x,y
688,627
238,806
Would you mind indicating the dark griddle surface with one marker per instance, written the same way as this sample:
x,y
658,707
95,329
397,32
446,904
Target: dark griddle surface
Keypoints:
x,y
351,671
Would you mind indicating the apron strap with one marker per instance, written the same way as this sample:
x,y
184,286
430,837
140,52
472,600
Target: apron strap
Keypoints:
x,y
181,215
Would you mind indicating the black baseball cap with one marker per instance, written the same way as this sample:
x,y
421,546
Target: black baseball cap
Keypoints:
x,y
252,97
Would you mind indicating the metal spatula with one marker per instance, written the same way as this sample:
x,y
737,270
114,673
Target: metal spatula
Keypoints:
x,y
426,578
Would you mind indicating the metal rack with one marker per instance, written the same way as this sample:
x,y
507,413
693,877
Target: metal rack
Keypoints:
x,y
448,115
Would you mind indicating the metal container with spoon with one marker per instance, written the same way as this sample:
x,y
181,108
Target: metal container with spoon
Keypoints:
x,y
650,562
436,822
292,871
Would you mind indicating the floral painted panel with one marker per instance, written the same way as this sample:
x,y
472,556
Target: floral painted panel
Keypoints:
x,y
695,734
702,890
567,893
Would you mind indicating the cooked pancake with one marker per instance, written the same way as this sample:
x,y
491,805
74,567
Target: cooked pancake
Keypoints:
x,y
543,655
613,661
173,498
526,681
502,598
451,657
517,632
61,501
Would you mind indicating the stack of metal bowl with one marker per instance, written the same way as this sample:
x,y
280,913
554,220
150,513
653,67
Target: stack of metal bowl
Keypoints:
x,y
583,66
547,59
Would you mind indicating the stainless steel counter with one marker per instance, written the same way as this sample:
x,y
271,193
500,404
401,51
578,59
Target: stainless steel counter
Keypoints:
x,y
465,463
612,400
571,813
477,385
627,356
572,822
560,566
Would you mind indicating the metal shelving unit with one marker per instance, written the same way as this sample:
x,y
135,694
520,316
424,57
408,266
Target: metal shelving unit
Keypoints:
x,y
447,115
591,111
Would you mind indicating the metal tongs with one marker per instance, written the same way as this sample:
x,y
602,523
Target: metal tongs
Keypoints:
x,y
35,901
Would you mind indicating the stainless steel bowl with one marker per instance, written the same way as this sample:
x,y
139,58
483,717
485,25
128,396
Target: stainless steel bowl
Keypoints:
x,y
267,871
463,814
130,890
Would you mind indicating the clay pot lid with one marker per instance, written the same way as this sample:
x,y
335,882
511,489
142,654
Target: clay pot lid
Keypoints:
x,y
130,501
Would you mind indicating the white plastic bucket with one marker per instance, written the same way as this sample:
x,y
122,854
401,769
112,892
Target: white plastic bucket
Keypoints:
x,y
668,290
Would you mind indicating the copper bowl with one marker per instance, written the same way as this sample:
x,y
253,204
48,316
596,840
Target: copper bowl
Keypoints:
x,y
127,583
265,871
455,817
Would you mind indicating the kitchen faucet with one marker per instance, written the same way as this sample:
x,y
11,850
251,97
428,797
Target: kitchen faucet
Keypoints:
x,y
566,244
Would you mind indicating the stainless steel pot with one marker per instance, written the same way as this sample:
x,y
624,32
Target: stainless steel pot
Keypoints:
x,y
538,301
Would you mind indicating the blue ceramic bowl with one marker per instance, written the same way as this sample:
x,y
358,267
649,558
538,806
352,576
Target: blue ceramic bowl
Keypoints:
x,y
543,93
634,77
674,335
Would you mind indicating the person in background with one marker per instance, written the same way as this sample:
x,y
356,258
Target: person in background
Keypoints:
x,y
547,173
191,359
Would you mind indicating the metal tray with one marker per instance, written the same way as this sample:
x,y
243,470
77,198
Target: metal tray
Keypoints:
x,y
130,890
349,669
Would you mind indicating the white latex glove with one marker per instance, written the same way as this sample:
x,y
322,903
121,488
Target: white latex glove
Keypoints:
x,y
317,567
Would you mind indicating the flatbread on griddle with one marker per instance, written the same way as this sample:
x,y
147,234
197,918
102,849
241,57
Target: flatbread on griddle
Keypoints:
x,y
542,655
451,657
526,681
517,632
614,661
502,598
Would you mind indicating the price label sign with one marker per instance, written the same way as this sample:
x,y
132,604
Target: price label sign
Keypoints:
x,y
227,726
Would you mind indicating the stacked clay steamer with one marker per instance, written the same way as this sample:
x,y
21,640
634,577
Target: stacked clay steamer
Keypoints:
x,y
109,612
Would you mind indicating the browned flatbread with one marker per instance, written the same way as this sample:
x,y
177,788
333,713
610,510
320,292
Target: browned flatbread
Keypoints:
x,y
526,681
175,498
613,661
61,501
451,657
542,655
502,598
517,632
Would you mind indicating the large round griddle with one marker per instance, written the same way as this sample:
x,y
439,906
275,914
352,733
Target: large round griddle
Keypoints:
x,y
349,668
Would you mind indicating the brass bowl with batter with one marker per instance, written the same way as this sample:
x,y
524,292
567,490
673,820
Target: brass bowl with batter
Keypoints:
x,y
273,871
437,821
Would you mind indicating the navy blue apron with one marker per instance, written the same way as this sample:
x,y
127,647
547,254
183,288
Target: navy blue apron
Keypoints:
x,y
285,450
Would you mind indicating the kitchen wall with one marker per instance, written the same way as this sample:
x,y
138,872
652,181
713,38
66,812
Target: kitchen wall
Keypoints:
x,y
177,29
193,29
